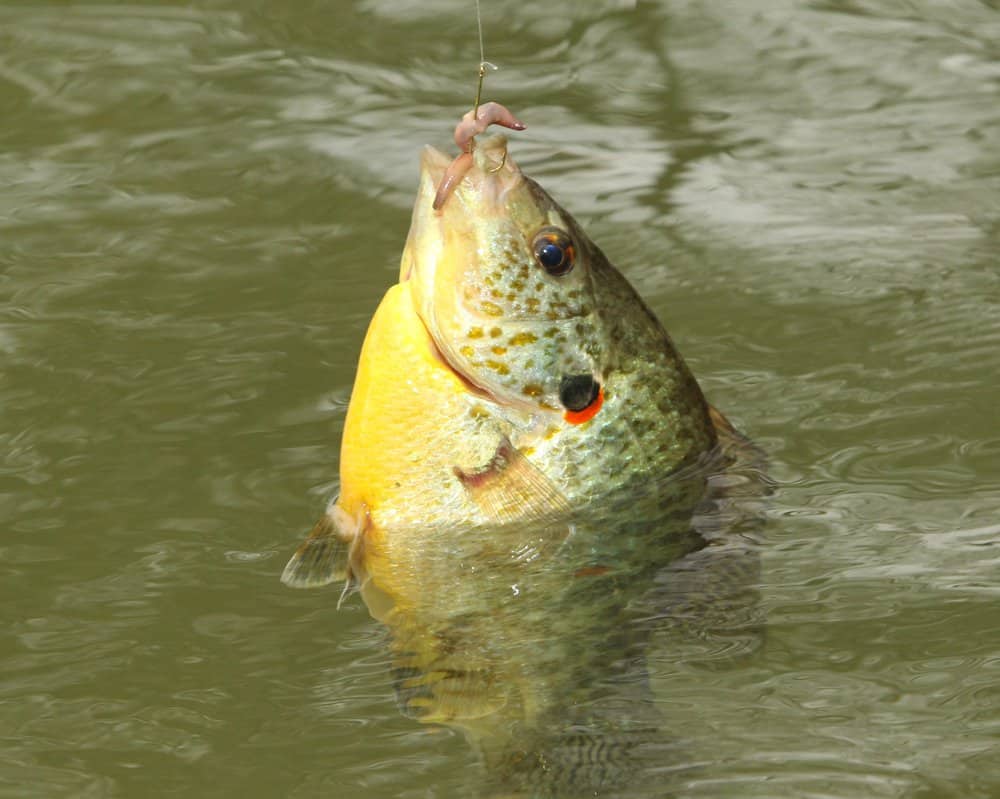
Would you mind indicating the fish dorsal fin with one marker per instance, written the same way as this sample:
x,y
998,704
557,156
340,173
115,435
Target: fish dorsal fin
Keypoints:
x,y
733,443
327,554
509,488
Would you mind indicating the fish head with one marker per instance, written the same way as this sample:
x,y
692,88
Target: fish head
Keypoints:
x,y
502,279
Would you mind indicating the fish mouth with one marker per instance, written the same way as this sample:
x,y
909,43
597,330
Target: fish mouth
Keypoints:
x,y
479,194
481,190
433,165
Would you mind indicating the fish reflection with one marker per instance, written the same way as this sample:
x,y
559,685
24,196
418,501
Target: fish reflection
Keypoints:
x,y
532,485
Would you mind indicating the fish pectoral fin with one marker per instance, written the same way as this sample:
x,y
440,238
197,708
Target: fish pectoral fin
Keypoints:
x,y
510,489
326,554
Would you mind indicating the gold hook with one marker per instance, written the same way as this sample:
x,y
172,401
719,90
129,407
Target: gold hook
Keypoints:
x,y
479,89
499,166
483,65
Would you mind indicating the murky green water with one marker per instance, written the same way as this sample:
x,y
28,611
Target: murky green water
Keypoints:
x,y
201,205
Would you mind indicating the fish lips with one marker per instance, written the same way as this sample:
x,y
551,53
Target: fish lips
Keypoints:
x,y
481,192
484,184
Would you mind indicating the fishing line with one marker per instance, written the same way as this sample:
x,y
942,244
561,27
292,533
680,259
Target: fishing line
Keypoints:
x,y
479,24
483,63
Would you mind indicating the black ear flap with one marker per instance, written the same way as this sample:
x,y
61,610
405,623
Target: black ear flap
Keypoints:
x,y
577,392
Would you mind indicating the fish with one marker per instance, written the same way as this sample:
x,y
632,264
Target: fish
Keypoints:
x,y
524,451
512,375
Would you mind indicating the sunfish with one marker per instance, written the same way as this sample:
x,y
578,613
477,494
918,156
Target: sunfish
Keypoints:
x,y
511,376
523,452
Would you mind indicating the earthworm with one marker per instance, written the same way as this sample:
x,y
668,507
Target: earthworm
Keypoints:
x,y
472,124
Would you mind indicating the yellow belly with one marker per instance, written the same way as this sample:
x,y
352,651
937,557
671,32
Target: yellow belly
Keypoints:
x,y
411,420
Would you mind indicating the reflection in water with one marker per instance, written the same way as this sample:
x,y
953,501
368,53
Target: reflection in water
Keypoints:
x,y
543,664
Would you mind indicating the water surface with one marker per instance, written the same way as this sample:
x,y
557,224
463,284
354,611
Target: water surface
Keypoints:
x,y
202,205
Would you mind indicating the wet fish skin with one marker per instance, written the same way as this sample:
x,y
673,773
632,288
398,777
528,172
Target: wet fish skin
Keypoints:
x,y
464,357
504,534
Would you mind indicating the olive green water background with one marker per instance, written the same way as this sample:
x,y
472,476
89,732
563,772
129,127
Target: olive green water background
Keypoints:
x,y
200,206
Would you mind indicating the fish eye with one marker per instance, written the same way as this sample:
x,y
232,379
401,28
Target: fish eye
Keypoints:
x,y
554,251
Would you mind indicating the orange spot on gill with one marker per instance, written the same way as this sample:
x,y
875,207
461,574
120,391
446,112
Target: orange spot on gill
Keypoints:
x,y
588,413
